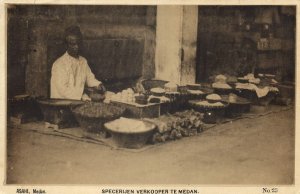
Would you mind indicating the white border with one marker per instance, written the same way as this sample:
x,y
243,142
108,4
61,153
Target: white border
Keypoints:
x,y
80,189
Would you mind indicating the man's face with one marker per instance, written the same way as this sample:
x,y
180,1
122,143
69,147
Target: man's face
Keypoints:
x,y
73,45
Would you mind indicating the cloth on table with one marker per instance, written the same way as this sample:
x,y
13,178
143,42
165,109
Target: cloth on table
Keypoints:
x,y
260,92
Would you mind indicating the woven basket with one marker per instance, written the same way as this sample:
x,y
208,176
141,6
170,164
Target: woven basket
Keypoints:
x,y
92,116
58,111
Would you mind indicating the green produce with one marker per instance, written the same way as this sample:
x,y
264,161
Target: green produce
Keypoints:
x,y
174,127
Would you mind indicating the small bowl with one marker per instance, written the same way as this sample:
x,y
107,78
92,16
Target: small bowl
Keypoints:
x,y
213,98
93,90
270,76
141,99
155,92
194,86
154,100
213,101
261,75
97,97
242,80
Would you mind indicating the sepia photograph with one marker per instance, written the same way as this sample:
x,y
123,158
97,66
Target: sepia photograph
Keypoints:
x,y
150,94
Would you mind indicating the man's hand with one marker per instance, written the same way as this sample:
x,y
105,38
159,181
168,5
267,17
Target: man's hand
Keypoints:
x,y
85,97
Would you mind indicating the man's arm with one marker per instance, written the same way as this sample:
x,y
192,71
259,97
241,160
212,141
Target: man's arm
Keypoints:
x,y
91,81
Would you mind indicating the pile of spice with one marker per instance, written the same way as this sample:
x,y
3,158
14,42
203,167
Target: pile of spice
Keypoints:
x,y
98,110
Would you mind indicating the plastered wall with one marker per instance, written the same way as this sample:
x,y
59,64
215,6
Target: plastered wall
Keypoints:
x,y
119,43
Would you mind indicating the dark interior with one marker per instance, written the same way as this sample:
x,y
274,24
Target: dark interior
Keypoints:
x,y
119,42
223,29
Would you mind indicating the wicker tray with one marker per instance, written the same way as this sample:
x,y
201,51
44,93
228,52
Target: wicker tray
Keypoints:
x,y
58,111
253,98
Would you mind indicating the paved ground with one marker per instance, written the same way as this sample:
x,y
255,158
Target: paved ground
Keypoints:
x,y
248,151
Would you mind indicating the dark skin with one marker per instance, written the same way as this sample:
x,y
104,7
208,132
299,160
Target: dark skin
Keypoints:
x,y
73,47
247,60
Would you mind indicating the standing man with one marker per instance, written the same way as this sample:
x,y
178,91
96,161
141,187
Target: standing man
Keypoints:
x,y
248,58
71,72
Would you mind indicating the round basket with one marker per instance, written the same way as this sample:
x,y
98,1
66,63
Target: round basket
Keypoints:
x,y
212,114
242,80
92,116
194,86
58,111
204,108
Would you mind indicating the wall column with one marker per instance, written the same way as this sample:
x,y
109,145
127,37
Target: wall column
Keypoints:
x,y
176,38
36,70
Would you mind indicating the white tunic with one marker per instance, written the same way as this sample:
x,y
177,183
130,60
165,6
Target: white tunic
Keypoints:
x,y
69,76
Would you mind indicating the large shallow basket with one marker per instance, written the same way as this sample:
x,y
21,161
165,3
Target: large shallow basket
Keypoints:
x,y
153,83
92,116
58,111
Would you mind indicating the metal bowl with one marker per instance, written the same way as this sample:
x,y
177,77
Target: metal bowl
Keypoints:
x,y
132,140
97,97
95,94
